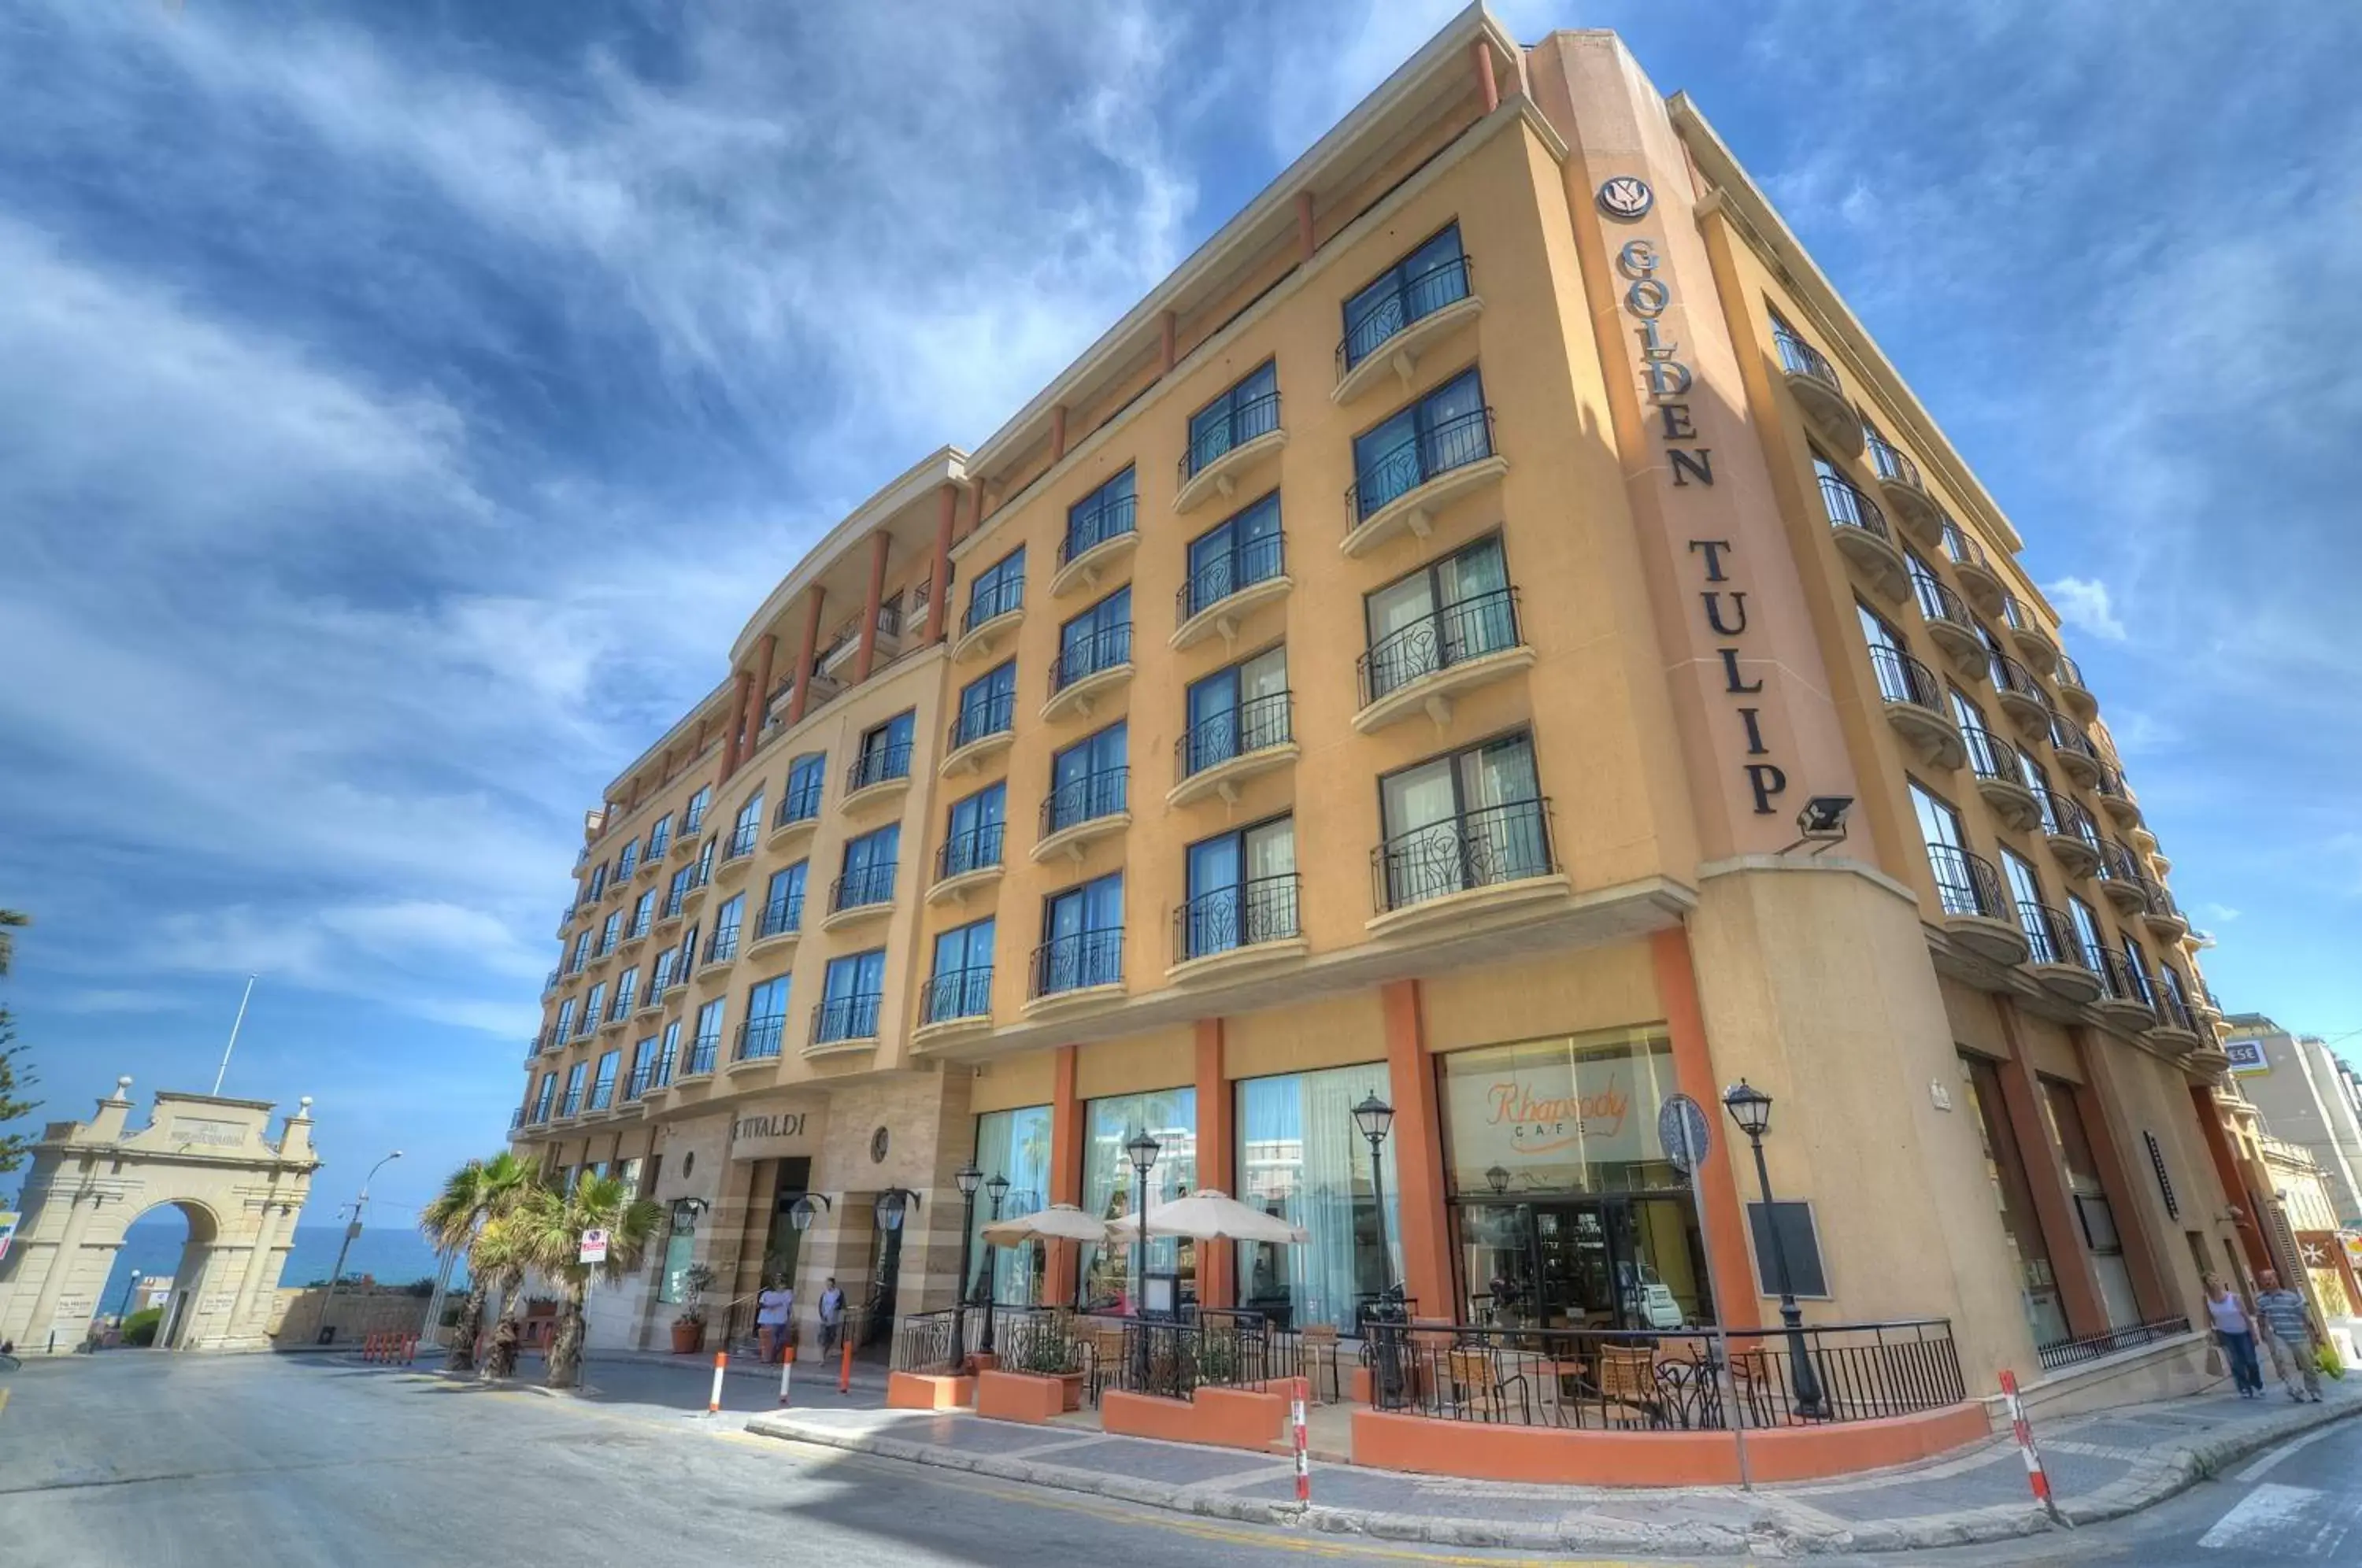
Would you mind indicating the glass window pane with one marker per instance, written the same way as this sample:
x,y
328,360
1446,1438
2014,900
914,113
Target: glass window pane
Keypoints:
x,y
1301,1158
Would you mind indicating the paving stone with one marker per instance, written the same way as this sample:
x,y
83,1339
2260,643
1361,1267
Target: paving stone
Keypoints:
x,y
1170,1463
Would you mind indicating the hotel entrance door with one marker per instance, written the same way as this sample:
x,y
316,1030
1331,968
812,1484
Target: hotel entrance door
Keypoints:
x,y
1598,1263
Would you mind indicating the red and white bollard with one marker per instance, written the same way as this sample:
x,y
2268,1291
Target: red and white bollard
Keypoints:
x,y
844,1368
714,1400
1300,1391
2019,1428
787,1372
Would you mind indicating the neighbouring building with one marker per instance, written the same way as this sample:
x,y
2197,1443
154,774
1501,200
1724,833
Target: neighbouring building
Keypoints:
x,y
1490,632
2307,1096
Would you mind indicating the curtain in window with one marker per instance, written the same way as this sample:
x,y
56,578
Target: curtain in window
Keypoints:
x,y
1170,1116
1301,1157
1014,1144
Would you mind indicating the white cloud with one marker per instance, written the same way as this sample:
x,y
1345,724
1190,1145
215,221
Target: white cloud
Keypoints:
x,y
2082,602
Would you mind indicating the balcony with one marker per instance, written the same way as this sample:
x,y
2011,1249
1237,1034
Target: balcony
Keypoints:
x,y
845,1023
2000,780
875,774
686,840
1969,891
602,1095
2121,880
1223,592
635,936
2126,996
2077,757
549,985
779,926
697,1057
1223,750
967,861
2177,1029
758,1040
2077,695
694,894
517,1119
1220,457
1976,573
956,1002
737,854
1090,669
2073,837
1430,308
652,1001
1952,628
570,1108
860,895
2162,915
798,816
2116,800
651,863
1070,973
1420,668
989,619
1820,396
2040,648
1898,480
1862,536
2021,695
1402,491
1083,810
1494,860
643,1080
1097,546
721,952
619,1013
1252,925
981,731
1913,699
2055,957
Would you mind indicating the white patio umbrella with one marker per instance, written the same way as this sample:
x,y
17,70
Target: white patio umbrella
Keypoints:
x,y
1059,1222
1206,1215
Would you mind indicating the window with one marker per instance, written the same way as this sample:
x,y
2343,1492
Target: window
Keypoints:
x,y
687,950
807,776
644,1068
1082,938
885,753
666,1055
973,841
783,901
693,817
724,944
1301,1158
564,1019
574,1077
2137,971
1100,638
2014,1196
610,933
766,1019
2037,779
677,891
988,706
1087,781
997,589
743,829
602,1085
627,990
1958,887
1015,1146
850,993
1433,276
704,870
1449,429
708,1042
1459,608
593,1008
1901,678
2026,892
659,837
2096,1215
1989,755
2088,934
598,882
869,868
660,977
1998,664
643,914
1236,710
1242,890
1169,1116
1237,553
1108,513
1846,505
545,1097
1469,819
627,862
1937,602
1248,410
961,985
581,953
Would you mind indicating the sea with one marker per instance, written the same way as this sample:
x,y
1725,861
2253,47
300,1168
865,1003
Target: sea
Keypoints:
x,y
388,1254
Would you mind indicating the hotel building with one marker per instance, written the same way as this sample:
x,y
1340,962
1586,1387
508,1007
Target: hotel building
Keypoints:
x,y
1490,631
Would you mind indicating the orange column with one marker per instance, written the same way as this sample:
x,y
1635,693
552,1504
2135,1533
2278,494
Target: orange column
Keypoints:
x,y
939,614
867,654
1669,955
1057,432
1216,1143
1418,1155
761,698
805,654
1065,1172
1304,235
1487,88
2141,1256
2227,1171
2046,1177
734,743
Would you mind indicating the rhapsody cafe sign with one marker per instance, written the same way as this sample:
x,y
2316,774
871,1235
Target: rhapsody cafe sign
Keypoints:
x,y
1552,1116
775,1131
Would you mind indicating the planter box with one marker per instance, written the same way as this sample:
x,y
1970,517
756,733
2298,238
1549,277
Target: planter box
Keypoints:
x,y
1019,1397
1218,1418
929,1391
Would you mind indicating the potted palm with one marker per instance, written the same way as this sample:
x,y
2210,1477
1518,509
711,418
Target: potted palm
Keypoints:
x,y
552,1225
689,1325
472,1196
1055,1353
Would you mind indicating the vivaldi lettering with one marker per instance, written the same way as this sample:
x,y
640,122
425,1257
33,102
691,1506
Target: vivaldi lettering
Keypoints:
x,y
785,1124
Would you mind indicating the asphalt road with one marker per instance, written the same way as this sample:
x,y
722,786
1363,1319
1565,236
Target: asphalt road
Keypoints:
x,y
251,1461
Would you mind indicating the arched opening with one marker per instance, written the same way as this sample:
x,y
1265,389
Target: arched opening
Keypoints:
x,y
160,1268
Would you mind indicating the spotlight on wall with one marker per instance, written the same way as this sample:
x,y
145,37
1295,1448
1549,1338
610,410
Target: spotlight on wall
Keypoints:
x,y
1823,821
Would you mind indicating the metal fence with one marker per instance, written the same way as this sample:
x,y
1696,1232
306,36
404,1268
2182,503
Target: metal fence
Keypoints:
x,y
2092,1347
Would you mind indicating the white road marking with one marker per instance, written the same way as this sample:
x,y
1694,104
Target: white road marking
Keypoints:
x,y
2269,1508
2256,1472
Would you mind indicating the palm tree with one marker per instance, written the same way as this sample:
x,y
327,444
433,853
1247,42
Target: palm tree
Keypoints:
x,y
501,1251
473,1196
10,919
551,1227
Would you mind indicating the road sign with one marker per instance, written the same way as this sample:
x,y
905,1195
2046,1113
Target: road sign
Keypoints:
x,y
1682,1133
595,1245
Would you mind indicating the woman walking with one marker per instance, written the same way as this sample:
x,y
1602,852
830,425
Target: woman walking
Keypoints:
x,y
2235,1333
773,1309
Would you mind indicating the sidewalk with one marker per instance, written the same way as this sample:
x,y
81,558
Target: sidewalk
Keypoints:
x,y
2102,1466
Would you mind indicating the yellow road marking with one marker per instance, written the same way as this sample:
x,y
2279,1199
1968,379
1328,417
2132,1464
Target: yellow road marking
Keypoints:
x,y
4,1399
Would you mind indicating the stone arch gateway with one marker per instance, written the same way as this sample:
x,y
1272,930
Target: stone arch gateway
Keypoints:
x,y
208,1156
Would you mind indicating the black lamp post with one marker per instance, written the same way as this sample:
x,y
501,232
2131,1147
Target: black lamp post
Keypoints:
x,y
1143,1149
1751,1109
1375,1117
968,1178
998,1188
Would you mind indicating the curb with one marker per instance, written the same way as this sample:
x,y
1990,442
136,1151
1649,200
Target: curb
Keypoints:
x,y
1774,1530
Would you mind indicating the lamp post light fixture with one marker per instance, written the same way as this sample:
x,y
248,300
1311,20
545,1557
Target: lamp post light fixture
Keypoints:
x,y
1497,1179
968,1178
1141,1150
998,1188
1375,1117
353,1230
804,1210
1751,1109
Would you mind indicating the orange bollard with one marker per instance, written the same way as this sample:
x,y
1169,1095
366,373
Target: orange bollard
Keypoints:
x,y
368,1347
721,1364
844,1368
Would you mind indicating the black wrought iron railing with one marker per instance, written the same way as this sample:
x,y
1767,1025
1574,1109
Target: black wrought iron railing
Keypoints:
x,y
1094,795
1798,358
781,916
1079,962
957,993
1419,297
1110,519
846,1017
1240,424
1965,883
1994,759
2015,679
2173,1010
1902,678
1257,725
742,841
2063,816
723,945
643,1077
1211,1348
671,910
700,1053
923,1343
1466,629
992,600
2117,865
2051,936
2070,675
759,1038
2068,738
972,850
1481,848
2092,1347
573,1103
800,805
1849,507
1961,550
516,1119
2124,980
1939,601
877,764
1893,465
1087,656
2161,902
993,716
1453,443
864,886
1260,909
1257,561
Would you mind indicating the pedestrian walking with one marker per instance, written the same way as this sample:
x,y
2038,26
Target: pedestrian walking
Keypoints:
x,y
2235,1333
2288,1329
774,1309
831,1316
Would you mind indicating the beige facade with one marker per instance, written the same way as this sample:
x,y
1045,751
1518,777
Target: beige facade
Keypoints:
x,y
213,1159
1477,785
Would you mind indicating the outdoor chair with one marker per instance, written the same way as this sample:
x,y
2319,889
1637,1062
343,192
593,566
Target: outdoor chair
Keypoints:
x,y
1479,1384
1628,1380
1319,1344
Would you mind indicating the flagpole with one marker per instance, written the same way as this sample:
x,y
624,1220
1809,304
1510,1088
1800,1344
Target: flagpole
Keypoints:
x,y
235,1025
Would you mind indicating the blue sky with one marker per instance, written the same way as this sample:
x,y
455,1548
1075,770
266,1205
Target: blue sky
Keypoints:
x,y
400,405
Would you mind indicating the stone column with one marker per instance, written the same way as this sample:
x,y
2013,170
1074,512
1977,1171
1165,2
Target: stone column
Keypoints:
x,y
1065,1173
61,1264
866,659
2046,1177
939,604
1217,1275
734,739
805,654
1736,1304
759,698
243,1321
1418,1155
1488,88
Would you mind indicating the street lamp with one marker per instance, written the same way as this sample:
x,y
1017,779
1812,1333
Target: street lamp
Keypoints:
x,y
1497,1179
1751,1109
1143,1149
352,1229
1375,1117
998,1188
968,1178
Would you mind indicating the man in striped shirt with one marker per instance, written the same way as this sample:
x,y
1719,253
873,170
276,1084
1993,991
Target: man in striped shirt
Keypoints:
x,y
2288,1329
